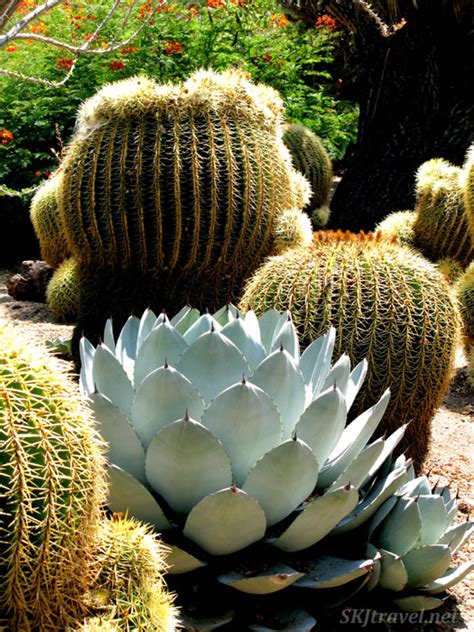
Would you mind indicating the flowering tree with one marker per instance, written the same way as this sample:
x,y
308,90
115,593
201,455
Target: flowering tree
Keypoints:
x,y
410,66
119,21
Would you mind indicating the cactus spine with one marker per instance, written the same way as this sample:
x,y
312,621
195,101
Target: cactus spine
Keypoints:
x,y
464,289
62,293
441,225
387,304
468,184
400,226
51,488
312,160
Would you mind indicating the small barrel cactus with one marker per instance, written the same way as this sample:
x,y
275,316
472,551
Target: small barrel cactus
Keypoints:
x,y
312,160
441,226
451,269
62,293
45,220
388,305
399,225
129,592
468,185
51,489
464,289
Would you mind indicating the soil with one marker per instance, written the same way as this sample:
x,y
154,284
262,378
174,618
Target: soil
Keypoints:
x,y
450,460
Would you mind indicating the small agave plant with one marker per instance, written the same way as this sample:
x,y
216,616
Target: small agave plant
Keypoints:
x,y
229,441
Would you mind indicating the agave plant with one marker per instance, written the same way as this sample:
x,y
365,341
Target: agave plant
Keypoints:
x,y
222,435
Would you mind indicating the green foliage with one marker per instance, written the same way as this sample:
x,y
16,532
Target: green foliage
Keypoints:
x,y
250,35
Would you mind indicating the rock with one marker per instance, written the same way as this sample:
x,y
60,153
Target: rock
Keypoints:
x,y
31,282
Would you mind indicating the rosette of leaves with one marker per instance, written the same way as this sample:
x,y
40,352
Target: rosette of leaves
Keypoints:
x,y
414,539
234,446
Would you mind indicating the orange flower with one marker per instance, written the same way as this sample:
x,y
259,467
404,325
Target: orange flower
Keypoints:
x,y
214,4
11,48
326,21
194,11
37,174
6,136
130,49
38,28
279,19
117,65
64,63
90,36
172,48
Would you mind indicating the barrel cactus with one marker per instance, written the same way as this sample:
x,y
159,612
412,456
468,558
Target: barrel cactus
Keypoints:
x,y
51,488
312,160
235,447
450,268
388,305
468,185
464,289
129,592
45,220
62,293
441,226
399,225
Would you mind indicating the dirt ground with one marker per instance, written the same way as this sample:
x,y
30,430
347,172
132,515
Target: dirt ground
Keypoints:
x,y
450,459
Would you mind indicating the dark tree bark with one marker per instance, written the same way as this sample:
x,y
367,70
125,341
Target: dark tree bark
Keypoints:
x,y
414,91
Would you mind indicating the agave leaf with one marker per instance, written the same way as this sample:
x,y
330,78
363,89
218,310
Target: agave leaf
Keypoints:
x,y
392,536
287,338
185,463
417,603
356,472
449,579
163,344
426,563
86,378
109,338
456,536
126,347
201,326
212,364
245,419
147,322
331,572
124,447
339,375
164,396
283,479
226,521
180,561
111,380
322,423
183,320
275,578
268,321
253,326
451,510
376,556
381,514
323,366
434,519
356,379
393,574
366,509
293,620
415,487
317,520
127,495
251,348
352,441
278,375
311,361
389,446
205,624
226,314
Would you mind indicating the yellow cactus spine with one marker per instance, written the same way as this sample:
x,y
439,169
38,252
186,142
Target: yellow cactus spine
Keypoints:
x,y
464,290
468,183
46,223
62,293
388,305
51,489
441,225
399,225
312,160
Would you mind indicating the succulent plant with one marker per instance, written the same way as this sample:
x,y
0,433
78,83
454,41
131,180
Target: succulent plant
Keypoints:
x,y
46,223
51,488
312,160
464,289
468,185
222,436
388,305
450,268
129,592
62,293
399,225
441,227
414,539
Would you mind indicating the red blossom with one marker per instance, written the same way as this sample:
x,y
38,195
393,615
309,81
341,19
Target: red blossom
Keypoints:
x,y
6,136
64,63
117,65
172,48
326,21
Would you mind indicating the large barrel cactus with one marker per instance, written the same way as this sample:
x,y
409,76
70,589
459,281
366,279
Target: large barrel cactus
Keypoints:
x,y
469,189
441,226
51,488
312,160
464,289
175,193
387,303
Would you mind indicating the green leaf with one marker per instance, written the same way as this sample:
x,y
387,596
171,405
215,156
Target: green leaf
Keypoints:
x,y
456,536
279,376
452,577
356,472
147,322
212,364
331,572
226,314
417,603
375,555
356,379
317,520
287,338
185,463
401,529
426,563
243,338
321,367
434,519
274,579
86,378
393,574
163,344
126,347
322,424
180,561
184,319
248,424
283,479
124,447
291,620
268,321
109,339
225,522
164,396
201,326
111,380
127,495
339,375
